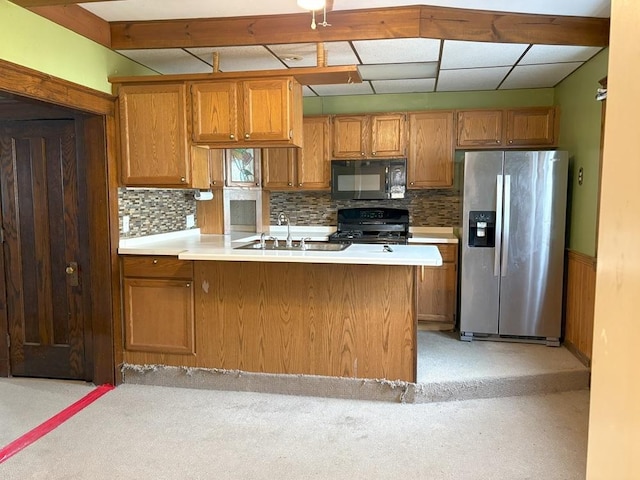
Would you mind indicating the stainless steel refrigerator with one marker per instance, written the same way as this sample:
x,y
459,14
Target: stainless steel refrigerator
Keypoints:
x,y
514,210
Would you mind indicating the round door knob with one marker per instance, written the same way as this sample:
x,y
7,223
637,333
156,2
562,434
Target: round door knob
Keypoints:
x,y
232,136
69,270
246,135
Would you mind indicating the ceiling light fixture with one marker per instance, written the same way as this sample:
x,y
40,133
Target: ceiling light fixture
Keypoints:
x,y
313,6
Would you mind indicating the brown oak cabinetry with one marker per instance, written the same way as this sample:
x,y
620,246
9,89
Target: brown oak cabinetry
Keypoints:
x,y
247,112
307,168
436,292
365,136
158,304
153,138
431,149
517,127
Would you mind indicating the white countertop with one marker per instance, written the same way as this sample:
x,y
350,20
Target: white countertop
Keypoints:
x,y
191,245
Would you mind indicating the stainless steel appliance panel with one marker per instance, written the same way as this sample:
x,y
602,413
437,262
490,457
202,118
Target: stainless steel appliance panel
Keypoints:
x,y
480,280
532,257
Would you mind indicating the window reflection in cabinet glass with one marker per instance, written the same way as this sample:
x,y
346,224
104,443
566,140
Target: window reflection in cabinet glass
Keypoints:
x,y
242,166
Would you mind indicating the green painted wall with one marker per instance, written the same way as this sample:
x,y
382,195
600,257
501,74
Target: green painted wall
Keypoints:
x,y
427,101
32,41
580,122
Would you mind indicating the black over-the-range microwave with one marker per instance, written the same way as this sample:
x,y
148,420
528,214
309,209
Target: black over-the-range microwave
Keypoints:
x,y
368,179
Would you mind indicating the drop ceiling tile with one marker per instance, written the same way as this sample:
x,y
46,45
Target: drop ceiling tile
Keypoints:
x,y
337,53
462,54
538,76
404,86
471,79
557,53
168,61
398,71
343,89
239,59
398,50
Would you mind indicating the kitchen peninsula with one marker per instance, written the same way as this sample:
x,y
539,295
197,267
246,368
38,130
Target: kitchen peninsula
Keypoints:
x,y
196,301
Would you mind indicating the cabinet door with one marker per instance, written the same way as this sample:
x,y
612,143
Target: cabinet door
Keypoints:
x,y
266,107
388,137
153,135
159,315
480,128
431,150
531,127
214,108
216,167
278,168
314,158
350,136
437,289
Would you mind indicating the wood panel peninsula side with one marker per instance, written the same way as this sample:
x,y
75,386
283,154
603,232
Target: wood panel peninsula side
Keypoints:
x,y
306,313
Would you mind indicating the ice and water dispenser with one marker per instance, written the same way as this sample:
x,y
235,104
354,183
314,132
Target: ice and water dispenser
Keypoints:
x,y
482,228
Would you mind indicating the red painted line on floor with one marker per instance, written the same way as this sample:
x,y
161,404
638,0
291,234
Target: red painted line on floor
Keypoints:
x,y
54,422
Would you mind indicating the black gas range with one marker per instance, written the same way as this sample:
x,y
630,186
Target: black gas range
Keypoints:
x,y
372,225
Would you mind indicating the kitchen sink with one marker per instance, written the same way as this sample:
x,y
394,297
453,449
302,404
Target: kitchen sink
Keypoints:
x,y
309,246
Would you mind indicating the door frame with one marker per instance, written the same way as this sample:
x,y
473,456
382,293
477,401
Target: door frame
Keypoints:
x,y
99,153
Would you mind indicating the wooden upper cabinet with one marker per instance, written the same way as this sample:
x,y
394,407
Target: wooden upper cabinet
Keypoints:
x,y
278,168
153,135
366,136
307,168
480,128
216,168
215,112
531,127
388,138
350,136
247,113
431,150
314,159
508,128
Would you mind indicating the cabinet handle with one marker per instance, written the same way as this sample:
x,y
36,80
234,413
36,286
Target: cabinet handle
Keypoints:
x,y
257,184
510,141
299,184
188,285
155,261
373,153
182,179
232,136
289,183
422,273
246,135
410,183
498,142
362,154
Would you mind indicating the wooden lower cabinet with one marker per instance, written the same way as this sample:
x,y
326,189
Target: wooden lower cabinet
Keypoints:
x,y
436,290
158,305
353,321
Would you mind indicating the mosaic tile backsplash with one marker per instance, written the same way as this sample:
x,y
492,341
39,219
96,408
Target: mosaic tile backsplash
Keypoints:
x,y
153,211
432,208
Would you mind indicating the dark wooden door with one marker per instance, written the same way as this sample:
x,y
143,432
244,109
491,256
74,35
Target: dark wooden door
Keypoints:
x,y
42,255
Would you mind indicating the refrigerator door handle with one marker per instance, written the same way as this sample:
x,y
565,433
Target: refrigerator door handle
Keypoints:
x,y
507,220
499,190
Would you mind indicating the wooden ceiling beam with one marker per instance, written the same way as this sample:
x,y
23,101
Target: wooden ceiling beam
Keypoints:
x,y
368,24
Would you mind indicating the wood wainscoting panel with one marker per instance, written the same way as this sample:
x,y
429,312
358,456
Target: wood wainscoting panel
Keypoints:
x,y
319,319
579,304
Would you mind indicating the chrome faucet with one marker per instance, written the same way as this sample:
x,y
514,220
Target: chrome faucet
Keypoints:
x,y
283,217
263,243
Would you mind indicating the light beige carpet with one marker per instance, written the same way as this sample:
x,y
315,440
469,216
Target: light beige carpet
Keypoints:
x,y
146,432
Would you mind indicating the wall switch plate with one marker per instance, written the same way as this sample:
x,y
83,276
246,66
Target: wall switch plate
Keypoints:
x,y
191,221
125,224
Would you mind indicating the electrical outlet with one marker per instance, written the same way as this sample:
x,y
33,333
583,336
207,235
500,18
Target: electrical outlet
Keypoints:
x,y
125,224
191,221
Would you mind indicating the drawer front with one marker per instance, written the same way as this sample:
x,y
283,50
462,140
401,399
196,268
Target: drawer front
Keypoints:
x,y
449,252
156,266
